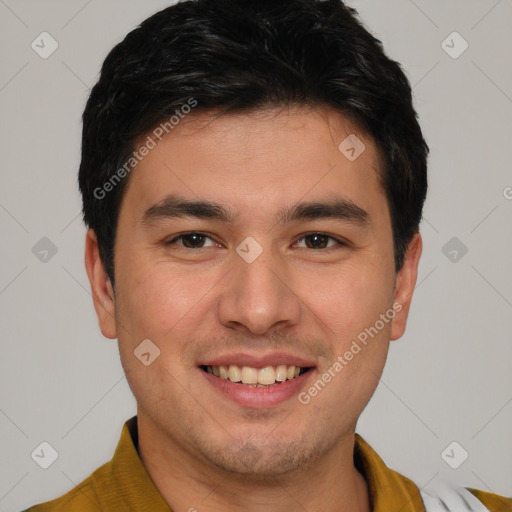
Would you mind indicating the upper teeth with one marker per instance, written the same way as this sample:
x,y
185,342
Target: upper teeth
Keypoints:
x,y
247,375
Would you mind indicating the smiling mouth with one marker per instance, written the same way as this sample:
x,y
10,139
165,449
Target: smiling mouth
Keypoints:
x,y
265,377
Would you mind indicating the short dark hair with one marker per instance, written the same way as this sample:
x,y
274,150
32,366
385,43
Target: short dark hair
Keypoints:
x,y
243,55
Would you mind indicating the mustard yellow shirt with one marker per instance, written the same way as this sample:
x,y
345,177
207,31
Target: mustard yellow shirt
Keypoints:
x,y
123,485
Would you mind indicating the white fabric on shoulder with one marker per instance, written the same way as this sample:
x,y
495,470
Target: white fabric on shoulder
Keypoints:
x,y
449,497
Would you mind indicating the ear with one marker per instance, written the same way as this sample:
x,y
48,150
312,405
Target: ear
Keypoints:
x,y
404,286
101,288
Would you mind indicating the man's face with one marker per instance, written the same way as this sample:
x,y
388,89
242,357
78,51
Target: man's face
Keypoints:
x,y
212,299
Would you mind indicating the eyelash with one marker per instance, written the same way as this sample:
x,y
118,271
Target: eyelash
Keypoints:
x,y
340,242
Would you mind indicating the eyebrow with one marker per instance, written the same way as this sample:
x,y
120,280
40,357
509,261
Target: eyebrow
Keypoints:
x,y
174,206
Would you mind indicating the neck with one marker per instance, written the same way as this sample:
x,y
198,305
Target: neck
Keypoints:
x,y
187,483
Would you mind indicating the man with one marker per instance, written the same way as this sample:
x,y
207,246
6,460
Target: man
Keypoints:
x,y
253,177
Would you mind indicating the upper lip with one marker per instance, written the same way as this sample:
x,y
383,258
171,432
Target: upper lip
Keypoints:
x,y
258,361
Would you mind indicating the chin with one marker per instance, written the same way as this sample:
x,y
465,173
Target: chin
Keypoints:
x,y
262,459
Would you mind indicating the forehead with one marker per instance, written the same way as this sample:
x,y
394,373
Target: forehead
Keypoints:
x,y
265,155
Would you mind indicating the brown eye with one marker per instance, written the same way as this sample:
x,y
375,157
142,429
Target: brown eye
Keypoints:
x,y
193,240
319,241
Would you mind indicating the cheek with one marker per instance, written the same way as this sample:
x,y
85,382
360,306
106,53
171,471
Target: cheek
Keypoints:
x,y
166,305
348,309
162,305
156,299
348,299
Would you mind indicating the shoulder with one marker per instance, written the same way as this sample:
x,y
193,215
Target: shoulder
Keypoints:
x,y
493,502
103,488
82,498
454,498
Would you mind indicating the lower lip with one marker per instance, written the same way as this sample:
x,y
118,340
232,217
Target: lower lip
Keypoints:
x,y
259,397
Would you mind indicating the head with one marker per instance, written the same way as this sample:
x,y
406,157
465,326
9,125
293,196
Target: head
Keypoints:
x,y
247,110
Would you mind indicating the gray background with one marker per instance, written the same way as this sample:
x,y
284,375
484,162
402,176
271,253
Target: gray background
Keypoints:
x,y
448,379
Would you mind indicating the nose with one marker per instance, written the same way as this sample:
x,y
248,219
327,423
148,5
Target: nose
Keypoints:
x,y
258,297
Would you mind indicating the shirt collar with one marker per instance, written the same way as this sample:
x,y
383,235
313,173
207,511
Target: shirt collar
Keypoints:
x,y
128,485
388,490
129,480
